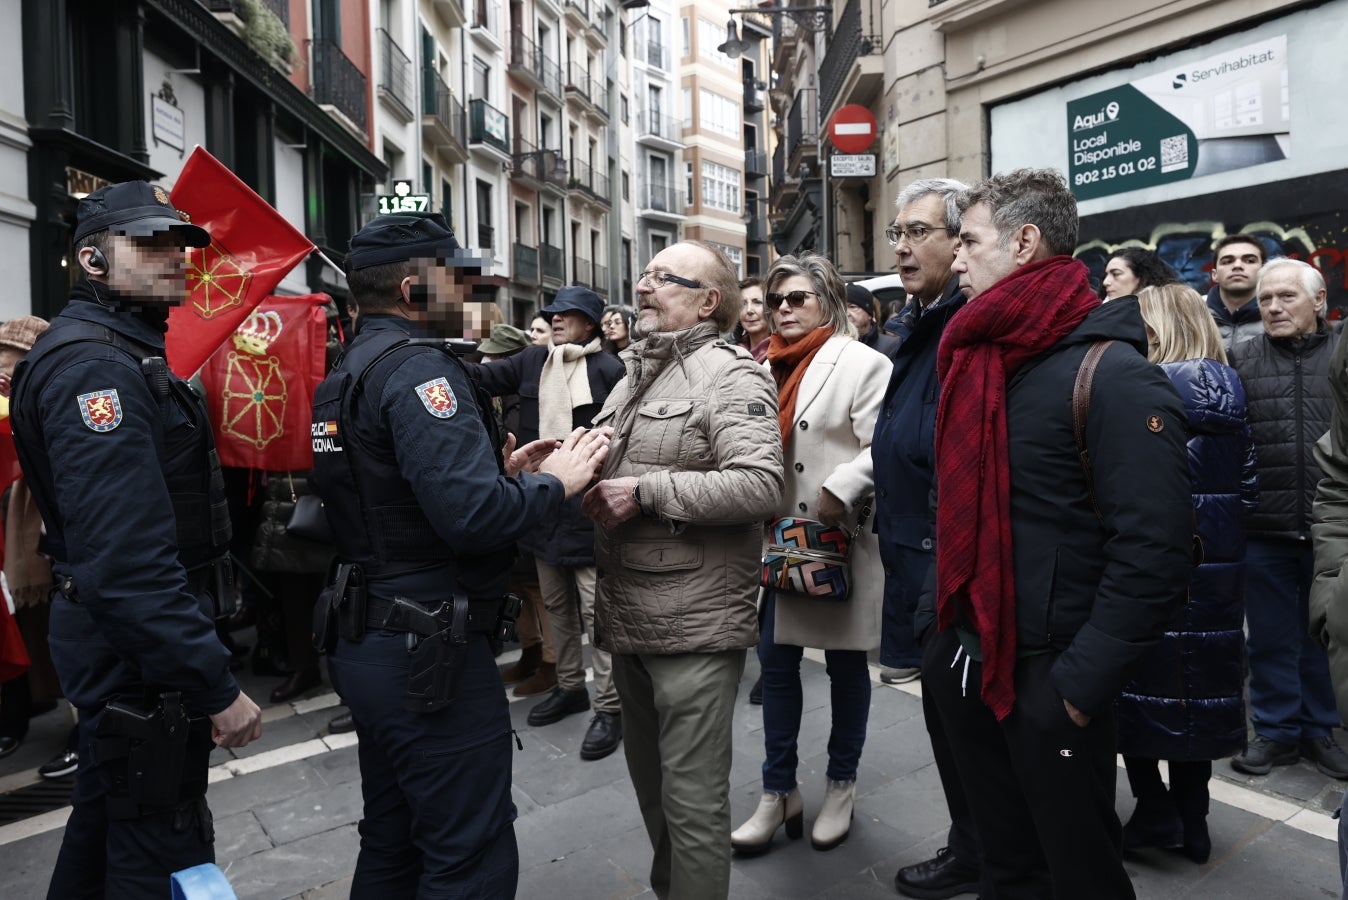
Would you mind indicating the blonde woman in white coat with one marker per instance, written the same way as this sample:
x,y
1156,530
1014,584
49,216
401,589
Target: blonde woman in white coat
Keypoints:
x,y
830,386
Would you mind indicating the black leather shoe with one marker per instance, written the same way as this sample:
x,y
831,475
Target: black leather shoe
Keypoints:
x,y
299,683
936,878
8,745
60,766
1263,754
603,737
341,724
756,692
558,705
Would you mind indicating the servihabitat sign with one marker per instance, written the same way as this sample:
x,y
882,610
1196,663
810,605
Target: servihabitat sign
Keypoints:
x,y
1224,112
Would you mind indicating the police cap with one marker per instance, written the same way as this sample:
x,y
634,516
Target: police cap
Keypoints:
x,y
136,208
404,236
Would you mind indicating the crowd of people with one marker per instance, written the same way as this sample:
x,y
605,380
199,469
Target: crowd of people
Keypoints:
x,y
1082,515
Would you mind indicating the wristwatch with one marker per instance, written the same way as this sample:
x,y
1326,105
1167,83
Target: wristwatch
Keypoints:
x,y
636,493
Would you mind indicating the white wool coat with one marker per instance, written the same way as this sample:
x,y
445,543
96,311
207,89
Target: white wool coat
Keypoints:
x,y
834,420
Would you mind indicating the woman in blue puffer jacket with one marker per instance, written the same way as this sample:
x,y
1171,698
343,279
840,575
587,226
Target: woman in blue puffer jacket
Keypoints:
x,y
1185,702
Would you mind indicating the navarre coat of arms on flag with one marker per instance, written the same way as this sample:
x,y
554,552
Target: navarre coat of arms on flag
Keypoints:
x,y
438,398
101,410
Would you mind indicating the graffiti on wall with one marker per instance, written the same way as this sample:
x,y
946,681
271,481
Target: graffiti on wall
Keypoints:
x,y
1305,219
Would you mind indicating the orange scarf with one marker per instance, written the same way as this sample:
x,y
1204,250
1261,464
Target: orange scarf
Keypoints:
x,y
789,362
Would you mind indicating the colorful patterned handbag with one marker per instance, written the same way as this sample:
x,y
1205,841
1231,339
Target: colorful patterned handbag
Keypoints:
x,y
807,557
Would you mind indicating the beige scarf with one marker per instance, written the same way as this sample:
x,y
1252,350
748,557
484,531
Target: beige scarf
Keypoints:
x,y
563,385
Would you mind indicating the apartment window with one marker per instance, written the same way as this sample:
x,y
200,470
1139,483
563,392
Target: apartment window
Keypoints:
x,y
688,182
447,200
622,39
659,241
720,187
736,256
627,187
486,235
481,80
686,50
718,114
623,104
687,107
709,37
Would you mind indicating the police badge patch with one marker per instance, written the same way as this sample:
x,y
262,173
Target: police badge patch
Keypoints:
x,y
101,410
438,398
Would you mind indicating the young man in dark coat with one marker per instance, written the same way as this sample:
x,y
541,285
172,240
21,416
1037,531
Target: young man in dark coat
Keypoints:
x,y
562,387
1050,584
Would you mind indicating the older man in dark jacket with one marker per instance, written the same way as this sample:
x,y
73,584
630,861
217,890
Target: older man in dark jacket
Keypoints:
x,y
562,387
1285,372
1052,580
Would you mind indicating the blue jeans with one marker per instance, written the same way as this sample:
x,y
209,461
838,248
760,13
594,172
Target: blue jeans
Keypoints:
x,y
905,570
1291,695
438,821
850,684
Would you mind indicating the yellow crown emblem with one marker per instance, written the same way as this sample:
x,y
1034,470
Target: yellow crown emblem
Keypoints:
x,y
258,332
160,195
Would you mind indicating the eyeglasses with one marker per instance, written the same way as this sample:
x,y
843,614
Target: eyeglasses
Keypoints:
x,y
795,299
660,279
916,234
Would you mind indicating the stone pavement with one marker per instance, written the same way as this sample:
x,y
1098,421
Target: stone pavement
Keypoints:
x,y
286,810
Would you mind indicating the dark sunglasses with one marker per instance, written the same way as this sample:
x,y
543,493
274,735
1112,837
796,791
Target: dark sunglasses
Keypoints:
x,y
796,299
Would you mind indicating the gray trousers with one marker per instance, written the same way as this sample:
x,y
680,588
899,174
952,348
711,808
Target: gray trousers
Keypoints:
x,y
678,714
568,593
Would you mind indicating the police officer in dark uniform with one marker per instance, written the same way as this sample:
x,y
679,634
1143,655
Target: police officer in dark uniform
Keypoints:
x,y
119,455
410,469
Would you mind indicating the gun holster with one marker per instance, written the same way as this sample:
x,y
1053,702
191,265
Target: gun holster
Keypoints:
x,y
340,609
437,642
154,744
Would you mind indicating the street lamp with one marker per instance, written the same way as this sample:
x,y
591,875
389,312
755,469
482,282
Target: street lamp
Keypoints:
x,y
811,18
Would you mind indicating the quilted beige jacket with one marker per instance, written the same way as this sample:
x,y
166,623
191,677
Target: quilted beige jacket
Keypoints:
x,y
696,421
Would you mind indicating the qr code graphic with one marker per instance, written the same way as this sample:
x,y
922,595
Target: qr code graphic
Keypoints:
x,y
1174,153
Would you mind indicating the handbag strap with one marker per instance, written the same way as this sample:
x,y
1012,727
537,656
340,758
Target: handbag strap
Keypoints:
x,y
1081,407
861,520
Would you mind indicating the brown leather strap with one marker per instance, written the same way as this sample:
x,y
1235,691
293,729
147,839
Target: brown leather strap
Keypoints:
x,y
1081,407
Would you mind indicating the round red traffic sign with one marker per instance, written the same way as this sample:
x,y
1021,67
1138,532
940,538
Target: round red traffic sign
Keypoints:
x,y
852,129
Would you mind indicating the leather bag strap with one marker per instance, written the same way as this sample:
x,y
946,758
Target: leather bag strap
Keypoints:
x,y
1081,407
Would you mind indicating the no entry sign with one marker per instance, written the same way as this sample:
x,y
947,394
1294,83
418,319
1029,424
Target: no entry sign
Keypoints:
x,y
852,128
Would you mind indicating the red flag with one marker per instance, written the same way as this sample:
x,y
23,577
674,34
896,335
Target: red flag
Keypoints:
x,y
252,248
260,385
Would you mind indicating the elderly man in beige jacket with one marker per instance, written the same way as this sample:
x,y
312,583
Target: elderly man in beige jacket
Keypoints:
x,y
694,469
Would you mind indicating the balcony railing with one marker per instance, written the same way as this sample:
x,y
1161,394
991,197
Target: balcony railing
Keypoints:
x,y
546,166
652,123
581,6
488,125
661,198
588,180
657,54
755,162
843,49
486,237
802,122
594,92
337,82
753,95
580,271
600,279
553,262
395,70
524,263
439,101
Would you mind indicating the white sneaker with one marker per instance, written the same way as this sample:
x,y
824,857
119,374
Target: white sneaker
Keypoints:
x,y
892,675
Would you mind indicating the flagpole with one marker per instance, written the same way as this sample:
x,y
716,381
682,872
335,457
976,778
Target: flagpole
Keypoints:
x,y
336,268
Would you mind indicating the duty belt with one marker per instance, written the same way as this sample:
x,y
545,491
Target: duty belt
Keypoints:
x,y
400,614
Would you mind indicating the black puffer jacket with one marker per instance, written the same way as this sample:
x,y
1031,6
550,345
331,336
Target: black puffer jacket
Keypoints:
x,y
1290,399
569,541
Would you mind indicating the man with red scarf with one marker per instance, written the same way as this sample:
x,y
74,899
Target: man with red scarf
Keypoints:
x,y
1050,584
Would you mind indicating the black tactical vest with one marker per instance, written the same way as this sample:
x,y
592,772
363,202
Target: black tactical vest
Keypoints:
x,y
186,446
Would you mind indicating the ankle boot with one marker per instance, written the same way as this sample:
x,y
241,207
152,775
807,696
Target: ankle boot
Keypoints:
x,y
542,681
774,811
526,665
1155,823
835,815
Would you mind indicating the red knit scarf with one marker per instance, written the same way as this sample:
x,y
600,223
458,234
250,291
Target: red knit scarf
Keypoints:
x,y
1016,320
789,362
